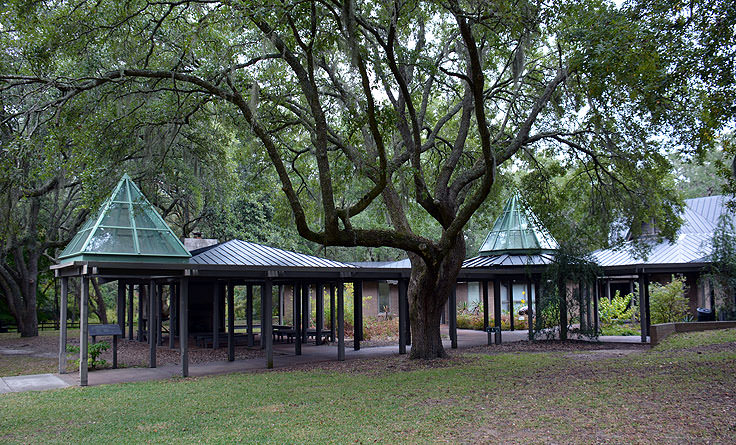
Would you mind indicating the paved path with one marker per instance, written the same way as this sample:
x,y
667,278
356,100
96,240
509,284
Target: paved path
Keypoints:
x,y
283,358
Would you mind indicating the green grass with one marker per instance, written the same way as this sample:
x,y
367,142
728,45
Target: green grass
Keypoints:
x,y
694,339
510,398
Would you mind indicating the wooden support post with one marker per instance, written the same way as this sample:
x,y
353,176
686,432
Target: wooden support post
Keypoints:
x,y
340,321
588,314
537,298
281,304
320,316
263,317
121,306
83,330
249,313
297,317
230,322
332,312
266,329
646,303
140,312
216,316
114,352
529,309
173,315
305,311
160,314
131,296
596,319
63,306
152,340
357,314
497,309
484,283
184,325
402,317
452,306
408,315
510,295
642,307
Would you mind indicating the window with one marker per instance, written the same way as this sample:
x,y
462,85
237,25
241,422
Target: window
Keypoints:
x,y
473,295
383,297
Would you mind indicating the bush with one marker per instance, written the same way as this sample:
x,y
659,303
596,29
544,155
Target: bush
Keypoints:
x,y
93,353
470,320
378,328
617,311
667,304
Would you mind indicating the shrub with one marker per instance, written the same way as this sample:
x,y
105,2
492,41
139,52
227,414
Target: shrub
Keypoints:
x,y
667,303
93,353
469,320
618,310
378,328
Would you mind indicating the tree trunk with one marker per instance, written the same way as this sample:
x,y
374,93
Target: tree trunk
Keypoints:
x,y
100,309
429,288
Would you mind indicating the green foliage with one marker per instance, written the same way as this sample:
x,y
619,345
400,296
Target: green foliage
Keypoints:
x,y
93,353
667,303
618,310
469,320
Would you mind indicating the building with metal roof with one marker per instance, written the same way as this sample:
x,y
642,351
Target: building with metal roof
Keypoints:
x,y
687,255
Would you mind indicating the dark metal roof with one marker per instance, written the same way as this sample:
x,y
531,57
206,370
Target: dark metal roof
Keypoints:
x,y
243,253
692,245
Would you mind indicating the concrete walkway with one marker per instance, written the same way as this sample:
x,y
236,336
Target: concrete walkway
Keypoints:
x,y
37,382
283,358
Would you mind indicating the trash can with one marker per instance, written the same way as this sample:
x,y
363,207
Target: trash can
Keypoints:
x,y
706,314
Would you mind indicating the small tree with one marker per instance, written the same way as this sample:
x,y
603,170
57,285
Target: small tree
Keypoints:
x,y
667,303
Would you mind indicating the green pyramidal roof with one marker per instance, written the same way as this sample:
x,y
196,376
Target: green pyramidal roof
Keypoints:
x,y
518,231
126,228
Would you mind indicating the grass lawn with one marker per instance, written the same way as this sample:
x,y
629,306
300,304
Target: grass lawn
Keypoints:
x,y
681,391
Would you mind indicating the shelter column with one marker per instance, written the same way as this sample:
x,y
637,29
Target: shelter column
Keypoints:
x,y
266,329
643,290
332,312
173,314
297,317
230,322
121,306
497,308
529,310
596,320
340,321
403,313
216,316
152,340
320,322
184,325
484,283
249,312
131,292
452,306
357,314
510,296
83,331
62,324
537,297
141,287
305,311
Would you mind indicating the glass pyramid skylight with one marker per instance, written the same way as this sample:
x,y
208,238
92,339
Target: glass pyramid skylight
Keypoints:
x,y
518,231
126,228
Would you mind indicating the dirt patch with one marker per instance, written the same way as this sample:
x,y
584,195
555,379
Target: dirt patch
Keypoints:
x,y
556,346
